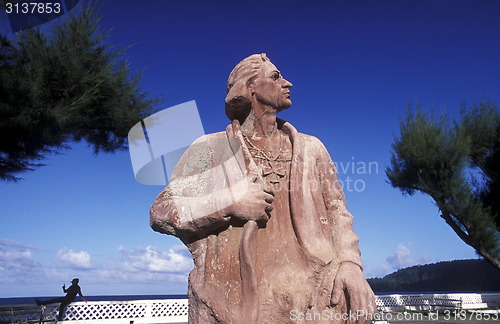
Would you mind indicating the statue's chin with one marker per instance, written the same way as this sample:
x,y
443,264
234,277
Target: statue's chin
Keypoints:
x,y
284,107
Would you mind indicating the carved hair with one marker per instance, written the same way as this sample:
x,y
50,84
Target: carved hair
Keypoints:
x,y
238,103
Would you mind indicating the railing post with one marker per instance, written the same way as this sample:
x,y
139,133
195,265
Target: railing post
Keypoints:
x,y
148,310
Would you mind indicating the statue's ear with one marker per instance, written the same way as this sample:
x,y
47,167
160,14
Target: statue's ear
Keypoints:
x,y
238,108
238,104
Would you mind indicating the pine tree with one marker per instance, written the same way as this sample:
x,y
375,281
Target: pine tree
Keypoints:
x,y
62,86
458,166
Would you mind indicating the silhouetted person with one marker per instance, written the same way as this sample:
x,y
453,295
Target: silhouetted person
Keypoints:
x,y
71,293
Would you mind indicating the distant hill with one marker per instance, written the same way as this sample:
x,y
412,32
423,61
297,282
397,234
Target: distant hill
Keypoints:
x,y
450,276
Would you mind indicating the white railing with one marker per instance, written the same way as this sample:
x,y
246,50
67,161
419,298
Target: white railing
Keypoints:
x,y
176,310
399,302
119,312
137,311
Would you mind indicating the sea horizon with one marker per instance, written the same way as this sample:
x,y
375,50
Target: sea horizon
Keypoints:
x,y
31,300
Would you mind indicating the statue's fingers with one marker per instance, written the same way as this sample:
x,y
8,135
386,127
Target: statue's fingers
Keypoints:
x,y
355,304
269,198
366,309
338,289
370,297
263,219
269,191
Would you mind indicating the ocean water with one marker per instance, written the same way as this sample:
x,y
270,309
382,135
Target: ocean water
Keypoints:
x,y
31,300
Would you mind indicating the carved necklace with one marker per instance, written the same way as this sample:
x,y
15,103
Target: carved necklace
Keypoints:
x,y
273,171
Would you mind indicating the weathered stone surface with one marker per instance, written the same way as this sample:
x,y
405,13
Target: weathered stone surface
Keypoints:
x,y
260,208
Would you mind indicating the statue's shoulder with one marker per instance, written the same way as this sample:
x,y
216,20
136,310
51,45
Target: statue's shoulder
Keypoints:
x,y
204,147
305,138
312,141
209,146
209,137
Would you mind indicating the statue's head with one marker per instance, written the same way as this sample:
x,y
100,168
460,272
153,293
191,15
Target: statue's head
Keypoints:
x,y
255,78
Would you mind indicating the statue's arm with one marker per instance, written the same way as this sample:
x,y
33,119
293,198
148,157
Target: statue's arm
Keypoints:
x,y
197,216
349,277
191,206
208,191
187,217
345,240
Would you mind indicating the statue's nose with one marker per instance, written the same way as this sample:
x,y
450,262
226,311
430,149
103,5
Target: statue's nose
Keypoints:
x,y
287,84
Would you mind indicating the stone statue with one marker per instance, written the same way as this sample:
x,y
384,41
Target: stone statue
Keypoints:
x,y
261,211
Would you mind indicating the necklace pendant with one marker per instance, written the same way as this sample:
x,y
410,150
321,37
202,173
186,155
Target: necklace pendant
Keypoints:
x,y
273,179
273,172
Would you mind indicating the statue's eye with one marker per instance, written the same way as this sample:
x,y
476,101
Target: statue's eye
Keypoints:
x,y
276,75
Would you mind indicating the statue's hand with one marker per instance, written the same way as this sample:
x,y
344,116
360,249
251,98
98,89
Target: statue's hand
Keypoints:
x,y
351,286
255,204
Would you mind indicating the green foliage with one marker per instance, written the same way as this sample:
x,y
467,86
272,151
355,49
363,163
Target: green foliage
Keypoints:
x,y
450,276
482,124
62,86
428,157
435,157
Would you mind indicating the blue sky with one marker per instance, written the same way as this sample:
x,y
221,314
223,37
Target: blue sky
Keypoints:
x,y
354,65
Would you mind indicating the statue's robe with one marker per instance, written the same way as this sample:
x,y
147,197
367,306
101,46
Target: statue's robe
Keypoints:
x,y
250,273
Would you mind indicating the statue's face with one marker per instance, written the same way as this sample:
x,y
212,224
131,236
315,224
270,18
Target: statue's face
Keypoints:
x,y
270,88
